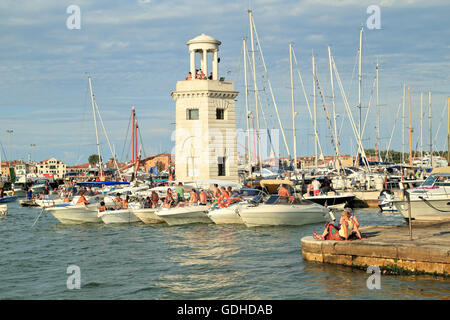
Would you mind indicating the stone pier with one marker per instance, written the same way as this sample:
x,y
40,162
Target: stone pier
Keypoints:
x,y
388,247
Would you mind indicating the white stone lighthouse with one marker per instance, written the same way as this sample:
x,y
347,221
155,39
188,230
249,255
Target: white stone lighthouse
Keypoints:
x,y
205,138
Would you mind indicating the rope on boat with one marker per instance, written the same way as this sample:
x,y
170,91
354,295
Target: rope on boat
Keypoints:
x,y
431,206
38,217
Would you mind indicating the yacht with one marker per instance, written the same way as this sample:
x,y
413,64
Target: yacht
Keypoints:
x,y
147,215
279,210
118,216
429,201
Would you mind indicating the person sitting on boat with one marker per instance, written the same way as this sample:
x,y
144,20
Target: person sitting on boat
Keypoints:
x,y
66,199
168,200
224,199
147,202
203,198
327,185
216,194
283,192
2,193
102,207
189,77
117,200
155,199
82,200
46,192
125,203
193,199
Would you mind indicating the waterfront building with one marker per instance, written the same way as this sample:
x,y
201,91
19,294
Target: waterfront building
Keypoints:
x,y
52,167
205,137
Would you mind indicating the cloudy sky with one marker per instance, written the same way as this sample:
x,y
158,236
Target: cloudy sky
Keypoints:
x,y
136,51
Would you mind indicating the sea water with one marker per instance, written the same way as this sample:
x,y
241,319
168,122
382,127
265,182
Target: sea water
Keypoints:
x,y
198,261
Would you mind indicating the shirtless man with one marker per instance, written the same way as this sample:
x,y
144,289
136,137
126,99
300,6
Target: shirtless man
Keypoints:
x,y
203,198
217,194
82,200
193,198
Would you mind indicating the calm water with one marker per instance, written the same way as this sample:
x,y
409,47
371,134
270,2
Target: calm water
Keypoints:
x,y
185,262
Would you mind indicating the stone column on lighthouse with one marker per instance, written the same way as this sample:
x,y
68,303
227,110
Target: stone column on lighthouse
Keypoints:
x,y
205,138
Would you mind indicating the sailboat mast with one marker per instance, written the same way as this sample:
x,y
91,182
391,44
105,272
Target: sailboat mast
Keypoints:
x,y
95,124
315,108
429,128
448,129
403,125
250,16
421,125
133,145
360,84
336,139
410,129
293,108
378,117
247,114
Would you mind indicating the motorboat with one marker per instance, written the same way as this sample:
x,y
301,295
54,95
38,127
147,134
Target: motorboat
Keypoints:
x,y
147,215
28,203
278,210
8,199
429,201
385,200
184,215
333,200
230,213
118,216
75,214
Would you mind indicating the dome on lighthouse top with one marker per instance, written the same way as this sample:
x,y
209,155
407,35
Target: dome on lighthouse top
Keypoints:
x,y
203,38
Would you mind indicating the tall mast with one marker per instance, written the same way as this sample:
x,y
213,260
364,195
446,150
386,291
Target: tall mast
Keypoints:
x,y
247,114
293,107
410,129
315,108
336,139
133,145
429,128
403,125
250,16
360,83
448,129
378,118
421,125
95,124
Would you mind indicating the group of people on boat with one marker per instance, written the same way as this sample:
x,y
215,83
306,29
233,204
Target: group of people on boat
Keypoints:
x,y
316,188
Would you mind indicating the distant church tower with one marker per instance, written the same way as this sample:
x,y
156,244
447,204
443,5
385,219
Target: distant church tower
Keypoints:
x,y
205,142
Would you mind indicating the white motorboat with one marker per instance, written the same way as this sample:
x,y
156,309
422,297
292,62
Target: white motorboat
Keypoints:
x,y
75,214
333,200
148,216
429,201
118,216
281,211
230,214
184,215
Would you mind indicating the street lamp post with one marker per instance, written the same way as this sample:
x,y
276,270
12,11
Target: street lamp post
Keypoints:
x,y
10,132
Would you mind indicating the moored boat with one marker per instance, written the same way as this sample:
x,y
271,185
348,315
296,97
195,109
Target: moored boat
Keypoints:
x,y
118,216
75,214
184,215
148,216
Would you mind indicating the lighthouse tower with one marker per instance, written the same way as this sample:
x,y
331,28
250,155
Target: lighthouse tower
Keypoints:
x,y
205,136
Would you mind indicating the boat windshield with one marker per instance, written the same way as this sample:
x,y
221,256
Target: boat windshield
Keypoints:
x,y
443,181
429,181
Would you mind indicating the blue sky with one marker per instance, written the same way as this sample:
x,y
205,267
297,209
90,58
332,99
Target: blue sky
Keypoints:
x,y
136,50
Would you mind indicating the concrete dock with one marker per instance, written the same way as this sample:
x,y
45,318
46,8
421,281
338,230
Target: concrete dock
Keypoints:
x,y
390,248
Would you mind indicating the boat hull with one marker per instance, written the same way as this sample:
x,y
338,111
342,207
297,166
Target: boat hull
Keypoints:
x,y
8,199
424,210
118,216
184,215
75,214
148,216
229,215
334,201
275,215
